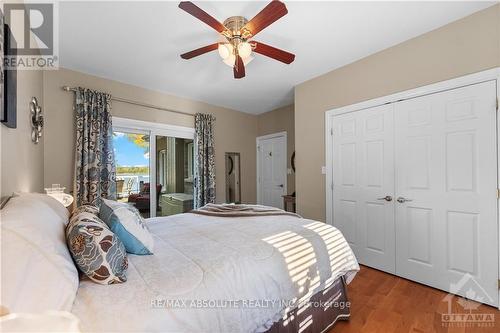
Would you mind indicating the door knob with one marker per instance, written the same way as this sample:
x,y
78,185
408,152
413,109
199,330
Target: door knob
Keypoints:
x,y
281,185
402,200
386,198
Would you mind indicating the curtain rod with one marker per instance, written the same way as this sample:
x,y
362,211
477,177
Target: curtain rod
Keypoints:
x,y
128,101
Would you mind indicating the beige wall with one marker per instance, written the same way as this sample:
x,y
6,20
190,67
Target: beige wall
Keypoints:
x,y
280,120
21,159
466,46
234,131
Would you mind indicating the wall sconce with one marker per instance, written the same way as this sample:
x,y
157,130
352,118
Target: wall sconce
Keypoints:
x,y
36,120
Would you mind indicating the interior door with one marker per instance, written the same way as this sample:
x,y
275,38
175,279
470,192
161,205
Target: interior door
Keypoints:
x,y
446,184
272,170
363,184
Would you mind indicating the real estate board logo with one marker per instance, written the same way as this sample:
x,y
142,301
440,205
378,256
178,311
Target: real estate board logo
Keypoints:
x,y
467,312
30,35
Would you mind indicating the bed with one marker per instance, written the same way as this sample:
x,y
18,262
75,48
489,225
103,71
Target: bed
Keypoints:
x,y
220,274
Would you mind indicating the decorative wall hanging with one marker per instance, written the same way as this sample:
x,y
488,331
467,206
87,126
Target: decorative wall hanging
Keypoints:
x,y
36,120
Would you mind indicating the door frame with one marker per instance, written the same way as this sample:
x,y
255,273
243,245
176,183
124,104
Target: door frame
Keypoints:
x,y
479,77
153,130
257,142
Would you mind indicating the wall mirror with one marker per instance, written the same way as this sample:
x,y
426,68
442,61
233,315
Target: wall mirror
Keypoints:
x,y
233,178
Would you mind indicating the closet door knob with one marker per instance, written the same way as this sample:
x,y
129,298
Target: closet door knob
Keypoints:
x,y
386,198
402,200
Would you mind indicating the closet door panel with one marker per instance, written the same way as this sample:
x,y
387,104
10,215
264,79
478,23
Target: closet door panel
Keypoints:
x,y
363,175
446,164
346,188
417,176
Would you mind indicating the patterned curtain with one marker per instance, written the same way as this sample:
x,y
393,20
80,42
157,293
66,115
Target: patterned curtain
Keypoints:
x,y
95,174
204,171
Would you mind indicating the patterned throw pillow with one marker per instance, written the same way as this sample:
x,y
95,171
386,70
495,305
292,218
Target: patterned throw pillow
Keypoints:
x,y
85,208
126,222
96,250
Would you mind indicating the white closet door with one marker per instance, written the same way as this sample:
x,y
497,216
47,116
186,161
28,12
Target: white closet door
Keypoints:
x,y
363,175
446,168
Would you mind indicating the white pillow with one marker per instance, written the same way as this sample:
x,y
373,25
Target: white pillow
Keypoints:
x,y
37,273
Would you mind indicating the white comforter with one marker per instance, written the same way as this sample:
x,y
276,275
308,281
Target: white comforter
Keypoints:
x,y
213,274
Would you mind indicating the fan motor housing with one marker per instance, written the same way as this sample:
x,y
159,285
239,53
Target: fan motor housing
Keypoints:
x,y
235,24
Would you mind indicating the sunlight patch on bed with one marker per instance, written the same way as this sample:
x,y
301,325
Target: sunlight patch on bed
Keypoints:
x,y
311,264
298,253
333,241
301,261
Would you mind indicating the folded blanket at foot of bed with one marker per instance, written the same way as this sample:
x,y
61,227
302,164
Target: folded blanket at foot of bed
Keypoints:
x,y
233,210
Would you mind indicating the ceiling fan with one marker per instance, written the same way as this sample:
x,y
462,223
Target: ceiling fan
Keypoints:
x,y
237,32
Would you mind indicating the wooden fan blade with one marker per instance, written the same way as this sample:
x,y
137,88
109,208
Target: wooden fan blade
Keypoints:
x,y
270,14
200,51
200,14
273,52
239,68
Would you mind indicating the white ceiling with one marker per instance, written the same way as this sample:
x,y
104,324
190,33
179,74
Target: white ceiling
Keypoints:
x,y
140,42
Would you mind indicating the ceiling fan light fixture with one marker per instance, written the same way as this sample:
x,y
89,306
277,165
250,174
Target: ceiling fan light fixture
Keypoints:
x,y
244,50
236,46
232,59
247,60
226,50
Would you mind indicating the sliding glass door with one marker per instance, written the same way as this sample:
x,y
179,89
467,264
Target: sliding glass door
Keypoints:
x,y
174,175
132,151
154,166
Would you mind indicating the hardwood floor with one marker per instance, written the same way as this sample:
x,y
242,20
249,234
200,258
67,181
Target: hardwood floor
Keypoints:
x,y
385,303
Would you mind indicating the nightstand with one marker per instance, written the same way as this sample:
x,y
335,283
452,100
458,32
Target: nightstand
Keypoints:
x,y
289,200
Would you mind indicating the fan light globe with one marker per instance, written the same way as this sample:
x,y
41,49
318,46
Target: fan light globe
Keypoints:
x,y
225,50
247,60
230,60
244,49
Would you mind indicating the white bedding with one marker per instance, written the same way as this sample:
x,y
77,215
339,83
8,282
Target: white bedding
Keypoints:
x,y
260,263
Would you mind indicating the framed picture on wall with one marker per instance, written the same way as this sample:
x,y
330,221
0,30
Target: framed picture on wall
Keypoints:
x,y
9,80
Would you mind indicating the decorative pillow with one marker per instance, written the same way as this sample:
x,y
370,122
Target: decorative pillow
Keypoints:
x,y
96,250
85,208
126,222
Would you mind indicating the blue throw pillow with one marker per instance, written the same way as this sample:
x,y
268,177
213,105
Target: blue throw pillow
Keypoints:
x,y
126,222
